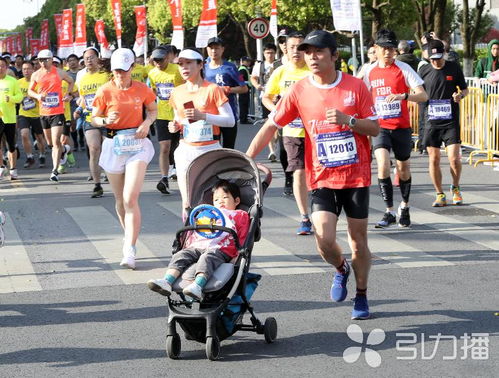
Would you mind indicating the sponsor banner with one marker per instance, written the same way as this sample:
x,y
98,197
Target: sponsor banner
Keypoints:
x,y
273,19
58,28
28,35
80,43
20,50
178,28
44,35
66,46
116,8
100,34
208,24
35,46
140,45
346,14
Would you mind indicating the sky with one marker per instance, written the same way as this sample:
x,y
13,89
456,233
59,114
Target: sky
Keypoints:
x,y
13,12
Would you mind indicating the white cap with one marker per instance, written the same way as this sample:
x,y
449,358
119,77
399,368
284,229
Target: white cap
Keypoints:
x,y
190,54
122,59
43,54
57,60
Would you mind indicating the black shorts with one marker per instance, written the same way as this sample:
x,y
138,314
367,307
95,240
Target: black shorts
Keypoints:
x,y
32,123
400,140
354,200
295,148
434,137
9,129
161,126
66,130
53,120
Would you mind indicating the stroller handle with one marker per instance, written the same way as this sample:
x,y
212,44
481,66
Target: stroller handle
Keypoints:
x,y
268,176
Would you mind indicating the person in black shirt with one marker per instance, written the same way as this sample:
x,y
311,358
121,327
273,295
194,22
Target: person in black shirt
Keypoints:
x,y
445,84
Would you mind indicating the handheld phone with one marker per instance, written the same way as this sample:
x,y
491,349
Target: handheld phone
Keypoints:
x,y
189,105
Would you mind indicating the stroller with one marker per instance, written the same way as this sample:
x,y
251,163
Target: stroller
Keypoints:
x,y
227,293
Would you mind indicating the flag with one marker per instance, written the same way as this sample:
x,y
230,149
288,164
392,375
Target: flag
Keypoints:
x,y
208,24
273,19
81,30
178,29
346,14
20,50
58,28
44,35
35,46
9,44
116,7
101,38
28,35
140,45
66,47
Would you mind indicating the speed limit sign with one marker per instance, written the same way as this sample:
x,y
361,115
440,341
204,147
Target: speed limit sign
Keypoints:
x,y
258,28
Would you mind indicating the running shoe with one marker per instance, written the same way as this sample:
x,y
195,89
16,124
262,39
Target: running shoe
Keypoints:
x,y
29,162
457,198
305,228
339,286
61,169
360,308
388,220
13,174
272,157
64,154
163,186
128,260
194,291
172,174
2,235
97,192
440,201
404,217
54,177
42,161
3,171
160,286
71,160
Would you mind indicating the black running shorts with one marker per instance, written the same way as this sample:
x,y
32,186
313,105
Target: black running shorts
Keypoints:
x,y
355,201
29,122
434,137
162,130
53,120
400,140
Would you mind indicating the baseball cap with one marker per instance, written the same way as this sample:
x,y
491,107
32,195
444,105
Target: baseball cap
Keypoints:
x,y
386,38
215,40
320,39
122,59
435,49
57,60
161,52
281,37
44,54
190,54
91,48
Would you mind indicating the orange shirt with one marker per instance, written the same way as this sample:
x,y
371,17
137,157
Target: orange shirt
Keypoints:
x,y
128,102
207,99
50,85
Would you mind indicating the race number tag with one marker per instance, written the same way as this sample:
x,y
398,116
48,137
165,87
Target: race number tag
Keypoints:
x,y
296,124
386,110
28,103
126,143
51,100
198,131
89,100
336,149
439,109
164,90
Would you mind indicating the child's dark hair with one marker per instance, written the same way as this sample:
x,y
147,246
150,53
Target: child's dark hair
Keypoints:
x,y
227,187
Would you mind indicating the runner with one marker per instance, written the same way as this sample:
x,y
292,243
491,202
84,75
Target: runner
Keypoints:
x,y
10,95
225,74
338,115
163,78
391,82
78,135
293,135
28,120
444,81
126,151
87,86
46,87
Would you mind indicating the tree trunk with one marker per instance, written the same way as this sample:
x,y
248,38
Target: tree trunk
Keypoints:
x,y
438,21
376,9
468,67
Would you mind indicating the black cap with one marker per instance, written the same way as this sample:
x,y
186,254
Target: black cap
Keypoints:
x,y
435,49
161,52
320,39
281,37
386,38
215,41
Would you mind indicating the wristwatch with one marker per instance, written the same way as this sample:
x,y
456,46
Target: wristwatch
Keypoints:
x,y
352,122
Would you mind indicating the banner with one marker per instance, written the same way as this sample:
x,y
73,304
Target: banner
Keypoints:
x,y
44,35
9,42
101,39
28,34
20,50
80,31
208,24
273,19
13,52
346,14
140,45
35,46
58,28
116,8
66,47
178,28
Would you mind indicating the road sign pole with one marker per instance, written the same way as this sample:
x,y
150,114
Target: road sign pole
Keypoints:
x,y
259,42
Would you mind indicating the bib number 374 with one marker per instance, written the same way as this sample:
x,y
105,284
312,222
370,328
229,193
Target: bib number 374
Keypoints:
x,y
336,149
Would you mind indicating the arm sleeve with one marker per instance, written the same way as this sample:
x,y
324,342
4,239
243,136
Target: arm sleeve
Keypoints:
x,y
412,79
17,95
286,110
365,101
225,118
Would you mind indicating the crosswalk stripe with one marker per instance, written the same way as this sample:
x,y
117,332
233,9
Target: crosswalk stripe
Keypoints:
x,y
474,200
16,271
105,233
15,186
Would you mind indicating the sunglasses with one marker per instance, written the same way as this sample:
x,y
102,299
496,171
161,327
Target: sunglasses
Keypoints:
x,y
43,59
158,60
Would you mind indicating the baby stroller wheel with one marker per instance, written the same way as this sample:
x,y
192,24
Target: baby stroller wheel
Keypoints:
x,y
212,348
270,330
173,346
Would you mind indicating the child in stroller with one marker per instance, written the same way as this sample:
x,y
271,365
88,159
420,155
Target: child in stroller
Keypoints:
x,y
208,251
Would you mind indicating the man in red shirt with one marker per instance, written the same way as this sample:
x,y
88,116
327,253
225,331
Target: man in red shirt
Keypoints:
x,y
338,116
391,82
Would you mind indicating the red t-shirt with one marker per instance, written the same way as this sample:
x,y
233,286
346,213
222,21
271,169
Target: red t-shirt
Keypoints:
x,y
336,157
383,81
50,84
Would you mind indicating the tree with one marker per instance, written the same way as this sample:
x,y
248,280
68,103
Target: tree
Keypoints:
x,y
375,7
431,17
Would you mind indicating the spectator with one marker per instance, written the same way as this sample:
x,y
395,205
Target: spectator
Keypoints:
x,y
244,98
406,55
491,63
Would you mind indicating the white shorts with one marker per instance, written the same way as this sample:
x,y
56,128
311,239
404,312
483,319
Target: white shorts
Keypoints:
x,y
116,164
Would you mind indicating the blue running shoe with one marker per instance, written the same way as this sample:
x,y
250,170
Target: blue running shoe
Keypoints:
x,y
339,287
360,308
305,228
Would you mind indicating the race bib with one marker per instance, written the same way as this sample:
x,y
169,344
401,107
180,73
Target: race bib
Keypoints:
x,y
439,109
51,100
198,131
89,100
164,90
124,142
386,110
336,149
297,124
28,103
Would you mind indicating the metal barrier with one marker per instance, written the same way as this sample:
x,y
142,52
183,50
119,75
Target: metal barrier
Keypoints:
x,y
472,112
492,129
486,87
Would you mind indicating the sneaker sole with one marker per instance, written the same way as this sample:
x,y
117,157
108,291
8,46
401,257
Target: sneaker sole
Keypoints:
x,y
158,289
304,233
404,226
128,266
189,294
361,317
97,195
434,205
387,226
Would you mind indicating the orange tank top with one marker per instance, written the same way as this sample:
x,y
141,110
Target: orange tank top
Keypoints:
x,y
50,84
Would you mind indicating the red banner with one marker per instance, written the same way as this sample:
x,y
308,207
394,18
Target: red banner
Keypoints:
x,y
35,46
13,52
44,35
81,30
139,47
208,24
178,29
66,47
101,39
9,42
20,50
28,34
58,28
116,8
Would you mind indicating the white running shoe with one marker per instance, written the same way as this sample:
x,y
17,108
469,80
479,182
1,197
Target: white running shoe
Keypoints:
x,y
64,155
2,235
194,291
172,173
13,174
160,286
128,260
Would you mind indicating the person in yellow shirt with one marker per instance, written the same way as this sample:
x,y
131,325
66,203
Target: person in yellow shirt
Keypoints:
x,y
163,78
139,71
28,119
293,135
